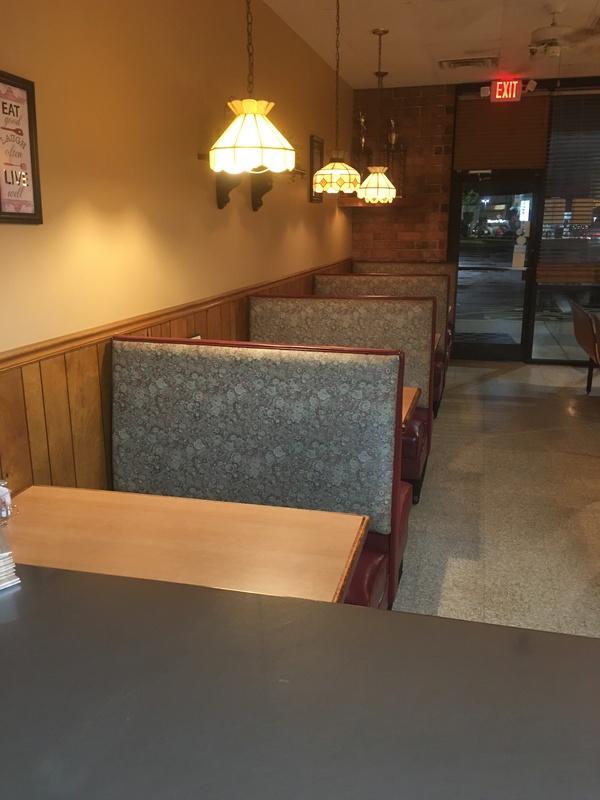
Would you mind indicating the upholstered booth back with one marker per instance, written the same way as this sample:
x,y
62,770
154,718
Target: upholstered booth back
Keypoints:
x,y
393,285
389,323
449,268
298,427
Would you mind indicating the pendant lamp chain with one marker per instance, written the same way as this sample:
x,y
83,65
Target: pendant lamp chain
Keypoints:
x,y
377,187
336,176
250,49
337,73
380,76
251,143
379,89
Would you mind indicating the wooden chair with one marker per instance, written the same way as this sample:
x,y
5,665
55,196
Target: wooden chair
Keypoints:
x,y
587,332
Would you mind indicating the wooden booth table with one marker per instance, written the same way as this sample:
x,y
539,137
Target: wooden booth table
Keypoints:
x,y
410,396
286,552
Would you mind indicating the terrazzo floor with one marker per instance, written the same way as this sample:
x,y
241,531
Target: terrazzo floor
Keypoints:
x,y
508,527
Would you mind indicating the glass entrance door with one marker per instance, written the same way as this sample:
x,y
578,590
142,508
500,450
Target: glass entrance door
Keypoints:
x,y
495,268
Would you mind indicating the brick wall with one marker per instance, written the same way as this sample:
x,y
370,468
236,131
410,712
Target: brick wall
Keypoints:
x,y
416,227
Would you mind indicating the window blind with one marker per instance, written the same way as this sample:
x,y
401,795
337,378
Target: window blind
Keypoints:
x,y
570,245
501,135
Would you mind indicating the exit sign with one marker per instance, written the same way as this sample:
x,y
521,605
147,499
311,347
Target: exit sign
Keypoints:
x,y
506,91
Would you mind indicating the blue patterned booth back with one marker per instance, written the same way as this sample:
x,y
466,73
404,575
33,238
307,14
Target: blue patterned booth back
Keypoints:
x,y
384,323
302,428
403,285
449,268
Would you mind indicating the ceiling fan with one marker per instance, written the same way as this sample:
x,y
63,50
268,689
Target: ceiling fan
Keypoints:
x,y
549,40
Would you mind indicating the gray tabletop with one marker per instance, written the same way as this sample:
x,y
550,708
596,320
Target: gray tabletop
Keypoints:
x,y
121,688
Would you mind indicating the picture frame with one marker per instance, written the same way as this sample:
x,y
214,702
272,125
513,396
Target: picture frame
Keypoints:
x,y
20,193
316,162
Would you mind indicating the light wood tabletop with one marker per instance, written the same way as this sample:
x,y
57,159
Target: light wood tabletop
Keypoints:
x,y
410,396
286,552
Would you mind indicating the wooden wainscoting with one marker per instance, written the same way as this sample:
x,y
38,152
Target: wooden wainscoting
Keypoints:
x,y
55,396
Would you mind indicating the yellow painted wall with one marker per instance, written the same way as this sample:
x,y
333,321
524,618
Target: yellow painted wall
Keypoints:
x,y
128,93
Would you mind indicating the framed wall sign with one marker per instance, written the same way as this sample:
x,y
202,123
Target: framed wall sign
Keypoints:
x,y
20,196
316,162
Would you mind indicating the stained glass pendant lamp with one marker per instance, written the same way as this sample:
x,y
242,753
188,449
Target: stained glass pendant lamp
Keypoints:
x,y
251,143
336,176
377,187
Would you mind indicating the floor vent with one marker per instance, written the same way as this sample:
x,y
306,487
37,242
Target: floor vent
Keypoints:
x,y
481,62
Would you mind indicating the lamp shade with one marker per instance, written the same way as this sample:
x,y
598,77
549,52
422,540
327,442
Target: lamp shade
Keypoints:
x,y
251,142
337,176
377,187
